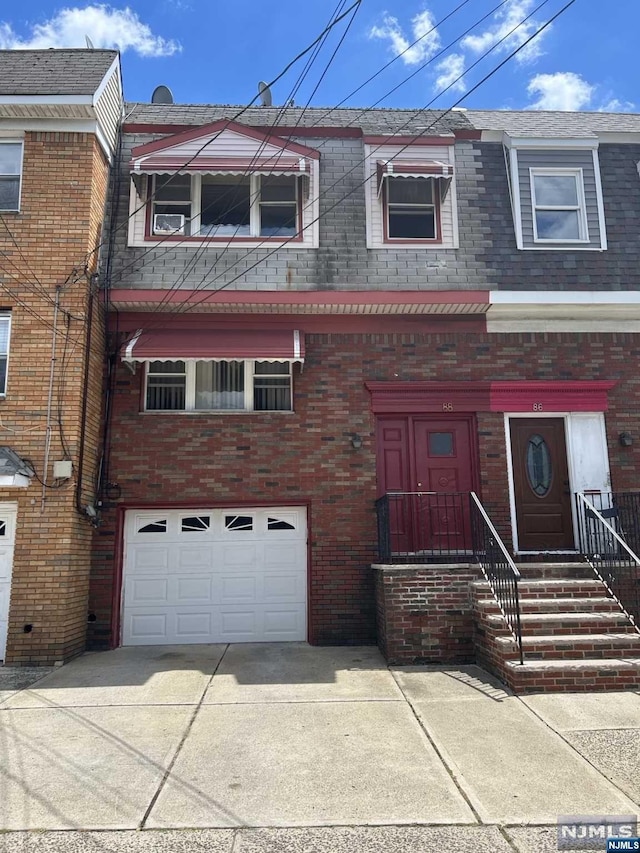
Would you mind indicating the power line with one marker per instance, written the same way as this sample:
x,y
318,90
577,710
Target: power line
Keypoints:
x,y
186,306
237,115
173,245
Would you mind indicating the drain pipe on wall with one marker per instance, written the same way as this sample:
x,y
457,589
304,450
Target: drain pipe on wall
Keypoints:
x,y
47,440
83,510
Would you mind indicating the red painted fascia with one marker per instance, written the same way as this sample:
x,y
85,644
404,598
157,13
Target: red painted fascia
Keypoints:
x,y
293,298
534,396
467,133
540,396
422,397
222,124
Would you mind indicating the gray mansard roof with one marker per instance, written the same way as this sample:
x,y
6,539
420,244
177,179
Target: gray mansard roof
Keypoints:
x,y
53,72
382,121
387,121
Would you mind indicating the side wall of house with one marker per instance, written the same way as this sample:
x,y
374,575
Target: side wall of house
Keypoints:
x,y
291,458
63,194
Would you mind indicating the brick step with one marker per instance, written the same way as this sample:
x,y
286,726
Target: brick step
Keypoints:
x,y
569,676
570,646
547,588
554,605
596,622
555,570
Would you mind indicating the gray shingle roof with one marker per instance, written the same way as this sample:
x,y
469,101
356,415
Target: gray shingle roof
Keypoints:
x,y
382,121
53,72
554,124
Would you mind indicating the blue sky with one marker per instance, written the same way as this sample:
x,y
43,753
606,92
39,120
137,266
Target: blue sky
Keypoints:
x,y
216,51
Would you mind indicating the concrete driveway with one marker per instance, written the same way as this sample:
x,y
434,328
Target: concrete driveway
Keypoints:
x,y
248,742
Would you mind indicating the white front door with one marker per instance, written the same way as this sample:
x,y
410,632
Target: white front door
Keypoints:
x,y
8,513
233,575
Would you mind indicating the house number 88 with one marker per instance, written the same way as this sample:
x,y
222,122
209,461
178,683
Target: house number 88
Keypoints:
x,y
447,407
537,407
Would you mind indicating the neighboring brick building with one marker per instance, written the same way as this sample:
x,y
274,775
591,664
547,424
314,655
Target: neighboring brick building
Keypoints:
x,y
59,115
305,318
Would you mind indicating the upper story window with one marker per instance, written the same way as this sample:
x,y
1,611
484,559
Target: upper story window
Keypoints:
x,y
5,324
10,174
411,209
559,212
556,193
410,195
224,182
218,386
226,206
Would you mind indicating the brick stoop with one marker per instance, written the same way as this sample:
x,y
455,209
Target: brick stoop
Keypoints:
x,y
575,637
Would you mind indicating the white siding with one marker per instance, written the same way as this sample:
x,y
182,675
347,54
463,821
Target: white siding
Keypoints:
x,y
108,109
412,154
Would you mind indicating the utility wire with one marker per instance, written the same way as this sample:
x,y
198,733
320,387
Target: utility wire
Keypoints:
x,y
186,306
235,117
136,262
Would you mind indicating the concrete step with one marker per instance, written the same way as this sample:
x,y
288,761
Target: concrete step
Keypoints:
x,y
547,588
569,676
595,622
571,646
584,604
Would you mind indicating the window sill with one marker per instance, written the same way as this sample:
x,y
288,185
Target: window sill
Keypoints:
x,y
218,413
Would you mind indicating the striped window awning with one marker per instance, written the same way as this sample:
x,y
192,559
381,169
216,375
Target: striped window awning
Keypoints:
x,y
432,170
214,345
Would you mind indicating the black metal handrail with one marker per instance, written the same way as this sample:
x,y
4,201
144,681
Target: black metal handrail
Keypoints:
x,y
604,523
498,567
424,527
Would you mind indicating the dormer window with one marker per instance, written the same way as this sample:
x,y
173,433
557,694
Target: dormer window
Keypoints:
x,y
411,209
10,173
558,205
225,182
556,193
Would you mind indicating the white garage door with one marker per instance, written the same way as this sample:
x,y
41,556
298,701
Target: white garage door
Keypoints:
x,y
215,576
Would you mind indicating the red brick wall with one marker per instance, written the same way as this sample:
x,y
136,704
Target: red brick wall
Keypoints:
x,y
63,194
307,455
424,614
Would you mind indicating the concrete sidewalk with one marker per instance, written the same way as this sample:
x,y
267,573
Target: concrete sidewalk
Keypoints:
x,y
286,747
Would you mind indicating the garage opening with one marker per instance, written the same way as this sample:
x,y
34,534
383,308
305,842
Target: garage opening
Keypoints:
x,y
235,575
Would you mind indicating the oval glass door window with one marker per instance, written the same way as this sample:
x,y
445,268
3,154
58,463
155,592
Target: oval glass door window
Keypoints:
x,y
538,465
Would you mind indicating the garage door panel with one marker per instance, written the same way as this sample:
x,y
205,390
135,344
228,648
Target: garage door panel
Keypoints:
x,y
147,559
147,591
198,589
190,557
146,628
209,576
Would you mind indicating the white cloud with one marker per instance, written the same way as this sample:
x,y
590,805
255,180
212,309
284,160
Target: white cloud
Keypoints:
x,y
106,27
508,18
615,105
422,27
449,70
561,91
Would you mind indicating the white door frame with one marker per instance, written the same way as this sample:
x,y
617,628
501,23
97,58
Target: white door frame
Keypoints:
x,y
8,510
571,468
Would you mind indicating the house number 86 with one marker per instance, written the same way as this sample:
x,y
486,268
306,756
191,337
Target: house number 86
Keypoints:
x,y
537,407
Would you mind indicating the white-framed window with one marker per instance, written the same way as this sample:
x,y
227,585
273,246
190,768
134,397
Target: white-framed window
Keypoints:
x,y
5,328
559,208
226,206
411,209
10,174
218,386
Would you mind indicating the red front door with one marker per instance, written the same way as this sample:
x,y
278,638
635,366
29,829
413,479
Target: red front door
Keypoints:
x,y
433,459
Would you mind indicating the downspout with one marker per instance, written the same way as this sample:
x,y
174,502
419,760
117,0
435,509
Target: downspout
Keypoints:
x,y
85,402
52,369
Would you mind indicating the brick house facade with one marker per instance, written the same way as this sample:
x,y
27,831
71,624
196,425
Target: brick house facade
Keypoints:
x,y
481,327
59,111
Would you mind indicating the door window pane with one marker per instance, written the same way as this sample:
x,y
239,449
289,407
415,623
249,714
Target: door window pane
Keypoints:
x,y
538,466
440,444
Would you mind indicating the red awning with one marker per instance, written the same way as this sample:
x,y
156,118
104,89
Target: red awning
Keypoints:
x,y
161,164
215,345
430,169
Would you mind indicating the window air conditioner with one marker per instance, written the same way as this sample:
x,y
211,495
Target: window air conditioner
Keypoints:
x,y
168,223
